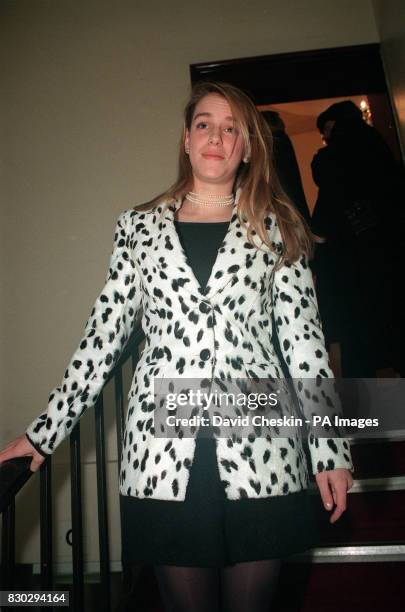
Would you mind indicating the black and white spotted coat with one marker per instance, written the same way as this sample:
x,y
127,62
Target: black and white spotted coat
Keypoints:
x,y
222,331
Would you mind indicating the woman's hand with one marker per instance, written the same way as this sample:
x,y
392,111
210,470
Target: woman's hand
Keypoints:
x,y
333,486
22,448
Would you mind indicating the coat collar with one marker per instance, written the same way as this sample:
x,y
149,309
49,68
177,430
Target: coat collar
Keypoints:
x,y
232,257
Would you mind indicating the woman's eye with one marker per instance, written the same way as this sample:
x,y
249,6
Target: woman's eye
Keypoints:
x,y
231,130
201,125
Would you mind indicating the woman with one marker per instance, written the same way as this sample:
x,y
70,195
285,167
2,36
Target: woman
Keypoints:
x,y
207,302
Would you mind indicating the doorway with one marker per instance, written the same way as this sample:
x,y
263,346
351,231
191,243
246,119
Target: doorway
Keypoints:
x,y
299,86
299,119
306,82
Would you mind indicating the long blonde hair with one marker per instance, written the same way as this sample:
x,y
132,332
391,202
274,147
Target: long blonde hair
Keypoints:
x,y
261,191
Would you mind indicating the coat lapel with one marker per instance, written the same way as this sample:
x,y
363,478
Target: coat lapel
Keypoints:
x,y
232,257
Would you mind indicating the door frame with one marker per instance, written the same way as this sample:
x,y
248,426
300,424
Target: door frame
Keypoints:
x,y
309,75
301,75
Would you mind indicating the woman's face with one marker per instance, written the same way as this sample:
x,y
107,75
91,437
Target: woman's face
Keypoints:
x,y
214,141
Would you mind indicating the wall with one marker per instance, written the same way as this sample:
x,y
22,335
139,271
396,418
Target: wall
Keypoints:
x,y
92,93
390,18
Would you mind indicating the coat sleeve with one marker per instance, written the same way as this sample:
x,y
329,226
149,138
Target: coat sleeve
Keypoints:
x,y
106,333
299,329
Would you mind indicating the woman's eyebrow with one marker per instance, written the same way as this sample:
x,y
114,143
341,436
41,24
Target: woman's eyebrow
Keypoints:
x,y
229,118
202,115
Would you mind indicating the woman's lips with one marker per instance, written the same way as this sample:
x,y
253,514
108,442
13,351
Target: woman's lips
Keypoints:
x,y
212,156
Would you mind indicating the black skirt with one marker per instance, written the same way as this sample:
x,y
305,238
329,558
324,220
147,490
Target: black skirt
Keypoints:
x,y
208,530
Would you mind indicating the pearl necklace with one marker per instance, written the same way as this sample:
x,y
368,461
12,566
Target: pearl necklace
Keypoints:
x,y
210,199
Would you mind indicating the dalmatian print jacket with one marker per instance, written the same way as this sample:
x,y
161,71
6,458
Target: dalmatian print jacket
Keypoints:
x,y
222,331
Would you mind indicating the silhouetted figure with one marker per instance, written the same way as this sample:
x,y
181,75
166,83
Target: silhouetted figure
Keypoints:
x,y
286,164
359,211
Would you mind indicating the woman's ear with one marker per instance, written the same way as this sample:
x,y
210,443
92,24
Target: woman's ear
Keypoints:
x,y
187,141
247,154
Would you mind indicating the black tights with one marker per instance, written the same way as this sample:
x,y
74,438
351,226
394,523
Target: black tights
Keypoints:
x,y
242,587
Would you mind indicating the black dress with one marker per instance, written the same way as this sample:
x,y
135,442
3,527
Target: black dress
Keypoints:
x,y
207,529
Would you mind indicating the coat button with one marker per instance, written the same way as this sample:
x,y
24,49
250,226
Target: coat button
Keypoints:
x,y
205,354
205,307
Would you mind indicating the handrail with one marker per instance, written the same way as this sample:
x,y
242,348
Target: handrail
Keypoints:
x,y
14,473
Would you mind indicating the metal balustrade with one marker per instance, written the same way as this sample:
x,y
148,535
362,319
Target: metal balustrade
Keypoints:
x,y
15,473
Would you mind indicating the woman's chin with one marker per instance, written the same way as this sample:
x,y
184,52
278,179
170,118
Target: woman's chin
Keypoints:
x,y
212,176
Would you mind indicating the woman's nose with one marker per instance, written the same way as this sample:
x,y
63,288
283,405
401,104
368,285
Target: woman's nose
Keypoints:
x,y
215,136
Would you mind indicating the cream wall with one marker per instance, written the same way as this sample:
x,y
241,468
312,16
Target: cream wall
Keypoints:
x,y
92,93
390,18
